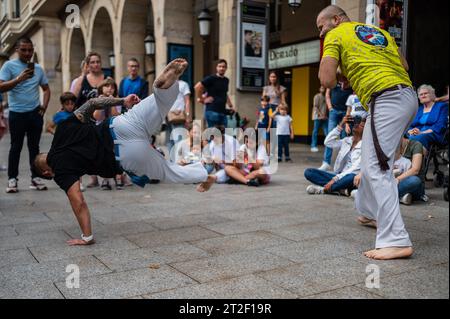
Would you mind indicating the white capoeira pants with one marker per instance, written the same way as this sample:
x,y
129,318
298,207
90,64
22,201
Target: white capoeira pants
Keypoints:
x,y
377,196
133,131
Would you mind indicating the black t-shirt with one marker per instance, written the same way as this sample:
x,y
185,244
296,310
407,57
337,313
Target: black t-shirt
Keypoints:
x,y
79,149
216,87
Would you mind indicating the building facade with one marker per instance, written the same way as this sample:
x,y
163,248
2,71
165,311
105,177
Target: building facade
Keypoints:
x,y
64,34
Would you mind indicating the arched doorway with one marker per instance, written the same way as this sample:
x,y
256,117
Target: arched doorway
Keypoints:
x,y
102,39
77,52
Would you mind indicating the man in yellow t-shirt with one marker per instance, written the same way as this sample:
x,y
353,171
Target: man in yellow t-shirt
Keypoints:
x,y
370,59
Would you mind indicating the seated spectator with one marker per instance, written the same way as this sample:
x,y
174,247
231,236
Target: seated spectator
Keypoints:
x,y
411,184
354,108
249,168
431,120
348,161
68,100
222,152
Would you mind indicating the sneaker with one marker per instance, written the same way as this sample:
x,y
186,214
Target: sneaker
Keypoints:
x,y
406,199
280,160
253,182
37,184
82,188
92,184
353,193
288,160
106,186
12,186
325,167
314,149
425,198
314,190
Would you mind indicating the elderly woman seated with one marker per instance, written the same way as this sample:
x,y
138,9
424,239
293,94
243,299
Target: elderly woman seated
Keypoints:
x,y
431,120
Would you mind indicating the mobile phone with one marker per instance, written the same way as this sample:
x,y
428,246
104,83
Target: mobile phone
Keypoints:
x,y
30,65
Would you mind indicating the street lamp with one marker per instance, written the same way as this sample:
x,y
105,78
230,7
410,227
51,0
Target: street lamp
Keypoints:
x,y
294,5
149,43
112,59
204,20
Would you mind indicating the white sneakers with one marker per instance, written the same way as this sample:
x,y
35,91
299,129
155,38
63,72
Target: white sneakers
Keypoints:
x,y
36,184
325,167
12,186
314,149
407,199
314,190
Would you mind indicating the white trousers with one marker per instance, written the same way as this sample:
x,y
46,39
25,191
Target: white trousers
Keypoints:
x,y
133,132
377,196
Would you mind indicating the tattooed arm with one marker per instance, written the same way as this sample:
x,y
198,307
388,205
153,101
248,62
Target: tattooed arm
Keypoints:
x,y
84,113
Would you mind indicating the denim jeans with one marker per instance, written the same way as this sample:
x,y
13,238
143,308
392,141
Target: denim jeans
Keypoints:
x,y
319,124
21,124
335,117
412,185
322,178
283,143
213,119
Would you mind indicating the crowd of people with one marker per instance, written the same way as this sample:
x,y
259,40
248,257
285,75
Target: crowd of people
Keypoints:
x,y
429,126
127,118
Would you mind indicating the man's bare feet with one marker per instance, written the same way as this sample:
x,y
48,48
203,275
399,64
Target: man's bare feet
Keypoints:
x,y
364,221
390,253
205,186
171,73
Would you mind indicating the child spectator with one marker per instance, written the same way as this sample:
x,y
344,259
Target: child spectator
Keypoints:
x,y
285,131
263,119
108,88
67,101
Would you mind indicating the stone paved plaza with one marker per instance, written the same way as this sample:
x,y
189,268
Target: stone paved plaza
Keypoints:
x,y
168,241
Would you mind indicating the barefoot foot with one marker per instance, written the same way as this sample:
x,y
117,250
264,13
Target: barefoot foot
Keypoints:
x,y
205,186
171,73
364,221
390,253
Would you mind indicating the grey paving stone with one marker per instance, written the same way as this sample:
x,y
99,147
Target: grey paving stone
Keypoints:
x,y
26,290
424,283
317,277
186,221
245,287
7,231
158,238
315,249
33,240
127,284
16,257
229,266
53,271
7,220
234,243
33,228
114,229
311,230
345,293
141,258
61,250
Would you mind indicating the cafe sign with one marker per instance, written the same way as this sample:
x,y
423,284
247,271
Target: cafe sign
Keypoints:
x,y
295,55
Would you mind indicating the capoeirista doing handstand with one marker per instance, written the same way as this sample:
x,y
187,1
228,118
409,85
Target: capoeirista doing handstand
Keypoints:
x,y
119,144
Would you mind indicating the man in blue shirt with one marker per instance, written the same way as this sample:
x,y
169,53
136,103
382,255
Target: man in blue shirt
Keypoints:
x,y
22,79
133,83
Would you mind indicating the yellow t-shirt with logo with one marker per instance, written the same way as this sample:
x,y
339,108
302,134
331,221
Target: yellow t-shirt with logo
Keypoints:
x,y
368,57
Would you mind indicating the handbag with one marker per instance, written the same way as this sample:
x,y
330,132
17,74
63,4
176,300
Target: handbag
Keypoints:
x,y
176,117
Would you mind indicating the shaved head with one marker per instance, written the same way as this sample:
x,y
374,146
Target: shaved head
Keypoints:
x,y
332,11
329,18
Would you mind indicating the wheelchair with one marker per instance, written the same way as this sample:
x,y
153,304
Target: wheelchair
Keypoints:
x,y
439,154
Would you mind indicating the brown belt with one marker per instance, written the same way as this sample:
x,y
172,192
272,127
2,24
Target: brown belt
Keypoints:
x,y
382,157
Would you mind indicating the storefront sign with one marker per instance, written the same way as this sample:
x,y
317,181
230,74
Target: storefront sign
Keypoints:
x,y
295,55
